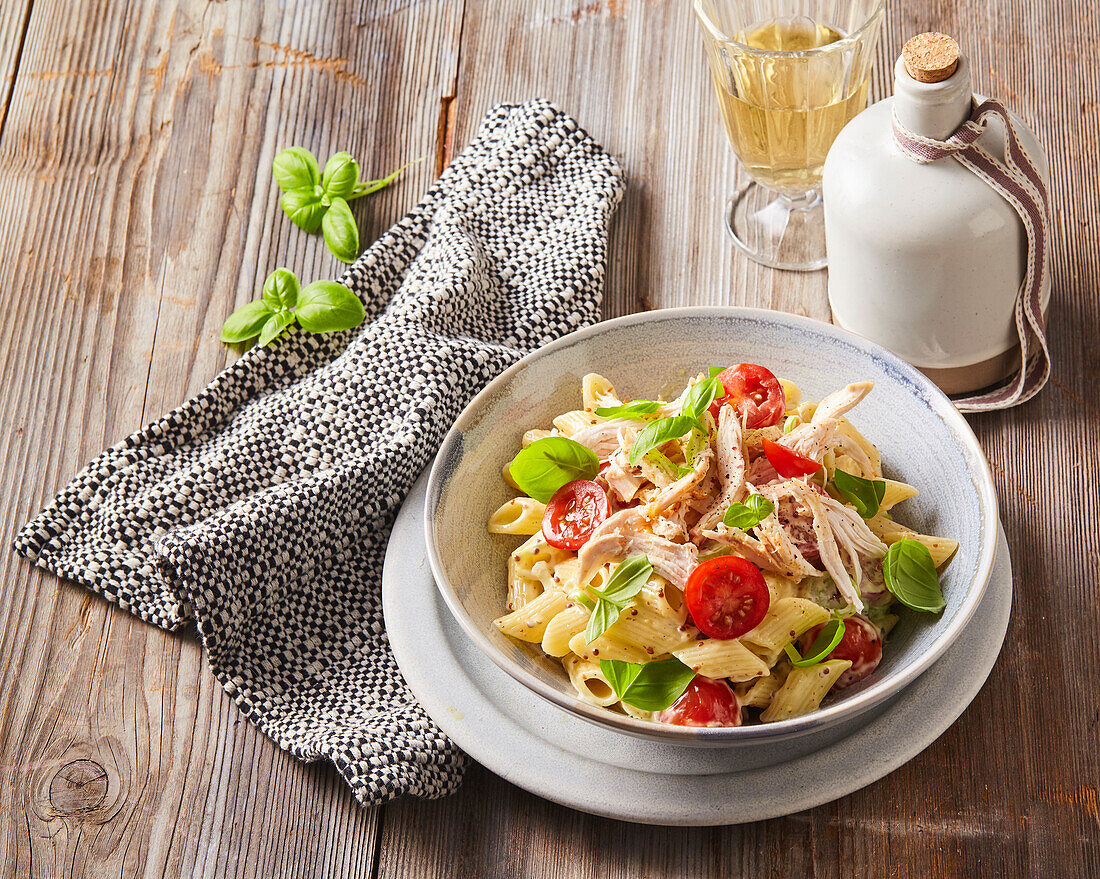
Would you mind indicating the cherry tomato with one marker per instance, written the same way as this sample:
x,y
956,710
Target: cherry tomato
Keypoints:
x,y
862,644
705,702
755,394
727,596
789,464
574,512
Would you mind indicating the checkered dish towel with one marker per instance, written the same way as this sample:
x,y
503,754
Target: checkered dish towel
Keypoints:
x,y
261,508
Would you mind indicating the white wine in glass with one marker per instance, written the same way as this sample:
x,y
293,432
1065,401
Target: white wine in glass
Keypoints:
x,y
788,76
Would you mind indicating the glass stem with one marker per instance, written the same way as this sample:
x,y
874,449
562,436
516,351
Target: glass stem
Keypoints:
x,y
801,201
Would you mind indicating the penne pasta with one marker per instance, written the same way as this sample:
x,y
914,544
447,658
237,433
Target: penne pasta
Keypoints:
x,y
589,681
888,531
569,423
804,689
597,391
715,658
785,620
520,515
530,621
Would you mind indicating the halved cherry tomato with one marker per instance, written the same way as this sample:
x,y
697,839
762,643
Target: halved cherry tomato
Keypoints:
x,y
788,464
705,702
755,394
727,596
862,644
574,512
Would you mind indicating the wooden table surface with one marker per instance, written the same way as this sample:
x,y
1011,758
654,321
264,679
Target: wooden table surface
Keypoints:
x,y
137,210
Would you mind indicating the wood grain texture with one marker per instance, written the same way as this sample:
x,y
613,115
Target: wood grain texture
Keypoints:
x,y
136,211
1012,788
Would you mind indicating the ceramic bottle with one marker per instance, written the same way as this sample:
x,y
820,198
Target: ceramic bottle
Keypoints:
x,y
926,260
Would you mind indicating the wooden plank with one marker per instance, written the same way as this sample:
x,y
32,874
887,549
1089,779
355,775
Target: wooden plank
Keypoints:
x,y
1010,789
136,211
13,27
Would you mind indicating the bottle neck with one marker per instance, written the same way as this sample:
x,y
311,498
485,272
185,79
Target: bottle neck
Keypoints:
x,y
933,109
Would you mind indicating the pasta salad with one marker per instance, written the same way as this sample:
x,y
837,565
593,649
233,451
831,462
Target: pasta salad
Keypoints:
x,y
728,556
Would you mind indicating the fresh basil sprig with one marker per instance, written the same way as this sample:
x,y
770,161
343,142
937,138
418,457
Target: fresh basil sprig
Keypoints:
x,y
825,643
715,371
633,409
627,581
320,307
699,397
863,494
658,433
648,686
318,199
749,514
911,575
549,463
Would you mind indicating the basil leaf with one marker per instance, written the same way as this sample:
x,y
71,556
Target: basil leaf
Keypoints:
x,y
246,322
863,494
633,409
701,395
658,433
824,644
662,463
326,306
627,581
281,290
604,616
304,209
341,233
715,371
340,176
549,463
911,576
275,325
296,169
695,444
369,186
649,686
744,516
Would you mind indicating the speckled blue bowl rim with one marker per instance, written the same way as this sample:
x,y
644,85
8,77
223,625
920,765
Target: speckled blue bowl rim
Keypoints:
x,y
847,710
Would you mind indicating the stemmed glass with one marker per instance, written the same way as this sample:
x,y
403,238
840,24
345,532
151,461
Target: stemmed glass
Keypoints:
x,y
789,74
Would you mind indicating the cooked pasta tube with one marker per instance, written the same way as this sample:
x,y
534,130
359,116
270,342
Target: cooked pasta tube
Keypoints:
x,y
804,689
520,515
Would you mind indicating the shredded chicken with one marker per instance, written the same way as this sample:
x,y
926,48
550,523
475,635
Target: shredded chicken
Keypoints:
x,y
621,477
771,551
845,445
837,528
626,533
683,488
731,469
813,439
603,438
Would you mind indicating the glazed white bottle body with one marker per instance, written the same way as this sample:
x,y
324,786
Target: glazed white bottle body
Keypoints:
x,y
926,260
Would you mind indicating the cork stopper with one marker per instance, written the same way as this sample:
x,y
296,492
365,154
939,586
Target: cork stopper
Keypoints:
x,y
930,57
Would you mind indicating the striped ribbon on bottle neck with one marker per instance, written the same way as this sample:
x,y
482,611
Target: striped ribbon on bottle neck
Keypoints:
x,y
1017,180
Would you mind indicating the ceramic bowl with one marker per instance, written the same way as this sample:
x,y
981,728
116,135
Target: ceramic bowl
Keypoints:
x,y
923,440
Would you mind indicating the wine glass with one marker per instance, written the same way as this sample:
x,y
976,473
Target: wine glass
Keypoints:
x,y
789,74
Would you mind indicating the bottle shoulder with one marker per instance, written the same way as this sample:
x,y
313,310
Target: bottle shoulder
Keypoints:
x,y
867,182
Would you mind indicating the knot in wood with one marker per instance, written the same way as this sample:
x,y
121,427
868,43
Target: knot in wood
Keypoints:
x,y
78,787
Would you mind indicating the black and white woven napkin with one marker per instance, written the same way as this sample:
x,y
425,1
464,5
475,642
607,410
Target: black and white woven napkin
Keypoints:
x,y
261,508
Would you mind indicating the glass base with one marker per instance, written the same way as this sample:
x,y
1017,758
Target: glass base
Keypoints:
x,y
781,231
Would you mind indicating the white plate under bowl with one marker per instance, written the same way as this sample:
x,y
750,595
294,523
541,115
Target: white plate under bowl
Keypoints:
x,y
554,754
